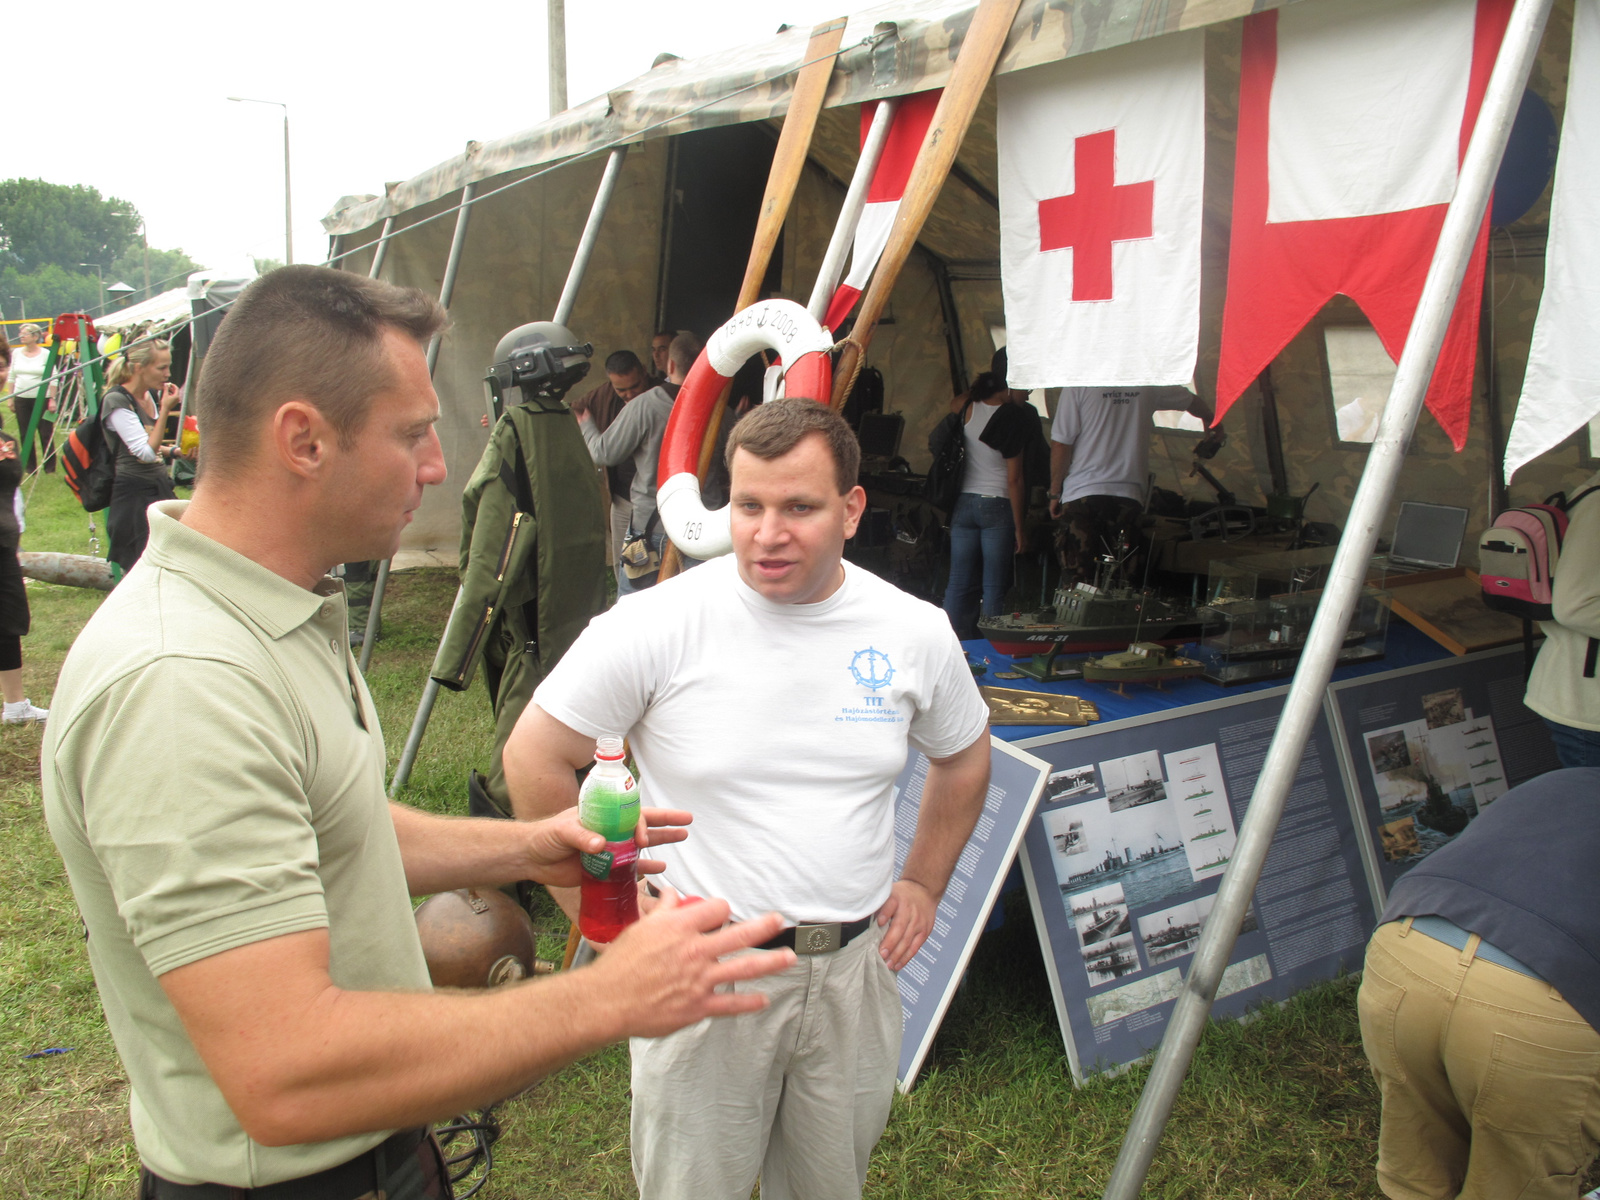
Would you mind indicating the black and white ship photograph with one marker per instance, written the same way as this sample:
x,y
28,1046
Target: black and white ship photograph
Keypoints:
x,y
1074,781
1133,780
1113,959
1100,914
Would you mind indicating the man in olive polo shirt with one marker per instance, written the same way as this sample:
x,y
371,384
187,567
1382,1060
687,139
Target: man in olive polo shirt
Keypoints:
x,y
214,780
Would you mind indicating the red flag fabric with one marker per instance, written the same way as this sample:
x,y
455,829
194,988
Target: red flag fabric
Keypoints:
x,y
1348,194
906,131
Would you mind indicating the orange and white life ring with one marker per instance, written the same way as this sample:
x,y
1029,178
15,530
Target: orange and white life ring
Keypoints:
x,y
779,325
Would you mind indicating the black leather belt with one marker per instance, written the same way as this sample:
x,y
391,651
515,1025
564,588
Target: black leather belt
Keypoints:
x,y
358,1177
818,939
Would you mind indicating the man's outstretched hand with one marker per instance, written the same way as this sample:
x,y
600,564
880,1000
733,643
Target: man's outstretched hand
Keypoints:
x,y
670,964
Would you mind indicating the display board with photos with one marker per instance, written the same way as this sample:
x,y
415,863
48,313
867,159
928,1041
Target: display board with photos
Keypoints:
x,y
928,982
1127,849
1426,748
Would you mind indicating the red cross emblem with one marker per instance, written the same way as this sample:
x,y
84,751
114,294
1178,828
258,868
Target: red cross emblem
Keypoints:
x,y
1099,213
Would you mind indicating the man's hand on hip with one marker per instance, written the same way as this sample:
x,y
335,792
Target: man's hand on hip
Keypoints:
x,y
908,912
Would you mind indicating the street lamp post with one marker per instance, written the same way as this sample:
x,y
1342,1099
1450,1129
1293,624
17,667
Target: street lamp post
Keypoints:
x,y
101,276
288,217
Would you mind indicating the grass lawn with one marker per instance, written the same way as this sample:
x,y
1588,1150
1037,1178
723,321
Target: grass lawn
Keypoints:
x,y
1280,1107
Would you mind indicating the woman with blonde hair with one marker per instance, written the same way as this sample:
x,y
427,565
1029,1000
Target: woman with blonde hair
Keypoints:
x,y
134,427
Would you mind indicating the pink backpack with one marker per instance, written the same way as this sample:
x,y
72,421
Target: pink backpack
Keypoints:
x,y
1518,556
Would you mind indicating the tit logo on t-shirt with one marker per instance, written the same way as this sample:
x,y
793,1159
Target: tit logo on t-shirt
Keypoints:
x,y
871,669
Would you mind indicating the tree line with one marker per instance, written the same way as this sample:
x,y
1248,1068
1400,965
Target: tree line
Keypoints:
x,y
53,236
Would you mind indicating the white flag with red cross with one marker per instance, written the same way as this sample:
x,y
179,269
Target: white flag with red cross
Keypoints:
x,y
912,116
1102,165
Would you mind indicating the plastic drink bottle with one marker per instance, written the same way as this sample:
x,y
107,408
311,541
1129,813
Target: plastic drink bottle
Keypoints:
x,y
608,804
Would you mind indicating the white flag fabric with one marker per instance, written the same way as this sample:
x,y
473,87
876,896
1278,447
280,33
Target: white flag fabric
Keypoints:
x,y
1367,101
1561,391
1102,164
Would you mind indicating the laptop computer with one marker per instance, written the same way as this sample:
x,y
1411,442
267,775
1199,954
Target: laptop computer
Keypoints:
x,y
1427,537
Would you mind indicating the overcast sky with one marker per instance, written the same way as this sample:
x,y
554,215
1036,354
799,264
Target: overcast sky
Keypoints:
x,y
375,93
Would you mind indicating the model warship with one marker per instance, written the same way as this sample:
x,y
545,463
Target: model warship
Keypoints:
x,y
1107,614
1142,662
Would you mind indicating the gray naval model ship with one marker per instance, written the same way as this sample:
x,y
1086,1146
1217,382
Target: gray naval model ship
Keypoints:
x,y
1104,615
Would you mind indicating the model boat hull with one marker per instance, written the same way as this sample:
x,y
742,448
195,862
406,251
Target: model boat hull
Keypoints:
x,y
1030,633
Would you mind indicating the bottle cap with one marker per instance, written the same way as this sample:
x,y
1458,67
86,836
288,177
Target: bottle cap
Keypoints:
x,y
609,747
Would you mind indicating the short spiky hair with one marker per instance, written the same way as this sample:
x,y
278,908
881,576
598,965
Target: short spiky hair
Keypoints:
x,y
308,332
772,430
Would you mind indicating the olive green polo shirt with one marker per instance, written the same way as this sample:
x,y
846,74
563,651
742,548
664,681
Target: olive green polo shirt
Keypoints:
x,y
213,777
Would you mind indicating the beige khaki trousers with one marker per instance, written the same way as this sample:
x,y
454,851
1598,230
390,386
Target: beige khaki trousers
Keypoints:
x,y
797,1093
1490,1080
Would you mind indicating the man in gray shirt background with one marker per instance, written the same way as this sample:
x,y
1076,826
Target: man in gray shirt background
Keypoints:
x,y
635,433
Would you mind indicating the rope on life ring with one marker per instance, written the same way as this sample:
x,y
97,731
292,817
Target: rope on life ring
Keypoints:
x,y
779,325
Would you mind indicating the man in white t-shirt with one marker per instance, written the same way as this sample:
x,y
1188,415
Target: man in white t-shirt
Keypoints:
x,y
775,693
1100,465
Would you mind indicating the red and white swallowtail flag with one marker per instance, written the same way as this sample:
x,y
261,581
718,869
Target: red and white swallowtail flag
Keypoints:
x,y
910,125
1353,117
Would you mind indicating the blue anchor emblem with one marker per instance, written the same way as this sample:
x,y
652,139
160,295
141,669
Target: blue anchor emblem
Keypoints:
x,y
871,668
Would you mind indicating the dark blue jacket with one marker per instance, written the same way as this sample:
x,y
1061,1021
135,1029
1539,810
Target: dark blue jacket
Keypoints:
x,y
1525,876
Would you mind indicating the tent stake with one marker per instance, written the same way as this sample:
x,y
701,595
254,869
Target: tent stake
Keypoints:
x,y
446,291
1347,576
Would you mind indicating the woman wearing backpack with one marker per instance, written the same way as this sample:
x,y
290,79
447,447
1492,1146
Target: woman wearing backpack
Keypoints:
x,y
1564,688
134,424
987,521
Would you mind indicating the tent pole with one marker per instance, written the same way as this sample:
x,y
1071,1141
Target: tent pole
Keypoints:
x,y
446,290
556,27
1346,578
382,250
855,199
591,233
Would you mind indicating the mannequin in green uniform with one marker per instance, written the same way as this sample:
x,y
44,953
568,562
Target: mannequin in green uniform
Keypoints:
x,y
533,557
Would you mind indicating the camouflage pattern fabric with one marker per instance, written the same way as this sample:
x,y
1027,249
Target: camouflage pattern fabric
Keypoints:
x,y
754,83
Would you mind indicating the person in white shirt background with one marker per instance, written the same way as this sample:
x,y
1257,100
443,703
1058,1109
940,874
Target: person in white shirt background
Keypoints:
x,y
28,358
1100,466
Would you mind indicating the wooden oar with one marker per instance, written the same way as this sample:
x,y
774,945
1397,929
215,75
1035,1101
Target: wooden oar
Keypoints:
x,y
788,161
975,63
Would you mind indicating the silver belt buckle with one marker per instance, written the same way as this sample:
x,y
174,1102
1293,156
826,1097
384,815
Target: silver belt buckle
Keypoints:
x,y
817,939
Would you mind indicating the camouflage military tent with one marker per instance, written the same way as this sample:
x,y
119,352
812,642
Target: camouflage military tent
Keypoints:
x,y
699,135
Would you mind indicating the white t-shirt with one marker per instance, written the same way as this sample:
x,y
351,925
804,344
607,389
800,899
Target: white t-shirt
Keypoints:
x,y
781,727
985,472
27,373
1109,432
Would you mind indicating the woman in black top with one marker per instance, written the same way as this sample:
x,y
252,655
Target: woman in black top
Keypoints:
x,y
134,426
